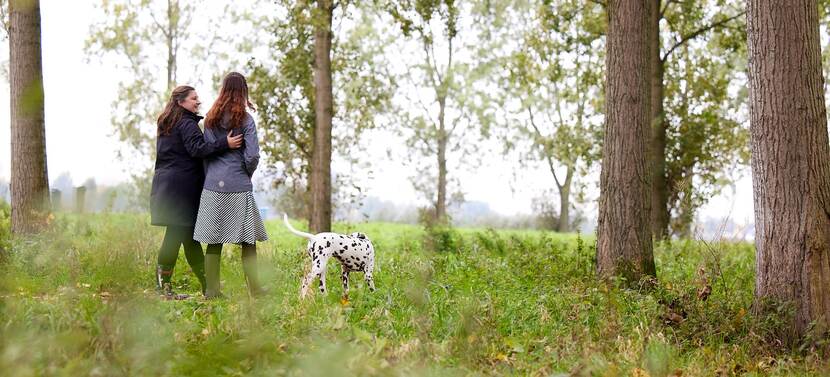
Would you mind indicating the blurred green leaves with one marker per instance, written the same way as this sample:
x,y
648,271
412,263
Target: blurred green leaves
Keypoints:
x,y
502,302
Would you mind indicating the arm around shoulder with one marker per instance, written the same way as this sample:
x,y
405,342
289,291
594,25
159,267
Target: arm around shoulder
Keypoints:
x,y
251,146
196,143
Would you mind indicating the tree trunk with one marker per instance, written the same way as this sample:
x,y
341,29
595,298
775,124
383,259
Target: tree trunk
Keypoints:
x,y
790,162
685,210
441,201
320,181
623,237
565,202
29,179
170,36
659,189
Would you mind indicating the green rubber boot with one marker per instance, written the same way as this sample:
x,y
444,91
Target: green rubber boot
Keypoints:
x,y
250,267
212,262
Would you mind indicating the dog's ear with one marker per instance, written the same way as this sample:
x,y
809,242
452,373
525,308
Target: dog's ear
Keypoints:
x,y
359,235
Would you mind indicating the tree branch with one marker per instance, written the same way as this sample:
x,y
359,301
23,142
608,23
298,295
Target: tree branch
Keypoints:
x,y
432,68
4,16
559,100
457,121
666,7
431,55
600,2
547,155
300,145
698,32
448,72
417,98
164,30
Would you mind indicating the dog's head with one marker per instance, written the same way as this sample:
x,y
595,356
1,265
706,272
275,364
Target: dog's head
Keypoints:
x,y
359,235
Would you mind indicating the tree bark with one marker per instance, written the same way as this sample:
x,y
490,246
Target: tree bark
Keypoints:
x,y
790,161
565,202
623,238
659,187
320,181
170,34
29,179
441,200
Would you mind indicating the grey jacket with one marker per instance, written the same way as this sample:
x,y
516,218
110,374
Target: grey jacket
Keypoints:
x,y
231,171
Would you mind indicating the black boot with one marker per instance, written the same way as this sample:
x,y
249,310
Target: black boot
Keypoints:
x,y
199,271
195,258
163,285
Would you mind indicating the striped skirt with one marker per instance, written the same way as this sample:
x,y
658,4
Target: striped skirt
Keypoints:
x,y
228,217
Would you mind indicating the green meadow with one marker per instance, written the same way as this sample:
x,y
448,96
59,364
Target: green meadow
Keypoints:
x,y
79,300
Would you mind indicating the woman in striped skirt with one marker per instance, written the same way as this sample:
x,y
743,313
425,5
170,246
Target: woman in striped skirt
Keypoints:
x,y
227,211
177,182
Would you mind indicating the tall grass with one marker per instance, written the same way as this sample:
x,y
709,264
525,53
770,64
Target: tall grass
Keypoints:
x,y
79,300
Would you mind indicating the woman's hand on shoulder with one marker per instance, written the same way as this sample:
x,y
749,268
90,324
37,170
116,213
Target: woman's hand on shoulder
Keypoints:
x,y
234,142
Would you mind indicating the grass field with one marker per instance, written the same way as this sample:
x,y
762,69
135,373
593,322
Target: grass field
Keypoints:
x,y
79,300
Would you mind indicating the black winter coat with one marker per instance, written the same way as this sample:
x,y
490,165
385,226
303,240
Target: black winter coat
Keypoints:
x,y
179,173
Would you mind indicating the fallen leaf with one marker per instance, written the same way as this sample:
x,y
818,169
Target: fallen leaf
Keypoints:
x,y
703,293
637,372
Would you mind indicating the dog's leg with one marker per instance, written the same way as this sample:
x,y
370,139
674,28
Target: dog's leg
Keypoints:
x,y
306,282
367,274
323,281
323,259
344,275
318,268
310,275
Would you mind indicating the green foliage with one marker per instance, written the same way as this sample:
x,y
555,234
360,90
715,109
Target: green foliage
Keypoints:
x,y
442,239
282,88
707,141
554,87
78,300
5,229
442,50
4,18
146,37
132,31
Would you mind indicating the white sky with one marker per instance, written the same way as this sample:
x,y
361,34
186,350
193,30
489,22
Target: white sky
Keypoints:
x,y
79,135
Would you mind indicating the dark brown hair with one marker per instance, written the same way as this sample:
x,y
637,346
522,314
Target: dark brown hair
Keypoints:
x,y
173,111
233,99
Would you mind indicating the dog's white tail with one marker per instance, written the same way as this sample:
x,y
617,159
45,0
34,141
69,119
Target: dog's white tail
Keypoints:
x,y
295,231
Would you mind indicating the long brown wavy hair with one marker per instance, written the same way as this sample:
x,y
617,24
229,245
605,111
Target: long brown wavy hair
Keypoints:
x,y
233,100
173,111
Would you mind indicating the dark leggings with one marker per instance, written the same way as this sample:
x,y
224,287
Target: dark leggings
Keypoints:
x,y
174,238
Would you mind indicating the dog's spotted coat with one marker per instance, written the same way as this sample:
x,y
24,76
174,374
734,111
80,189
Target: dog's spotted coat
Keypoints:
x,y
354,252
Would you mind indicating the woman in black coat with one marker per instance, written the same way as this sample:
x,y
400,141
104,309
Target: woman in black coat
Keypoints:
x,y
177,184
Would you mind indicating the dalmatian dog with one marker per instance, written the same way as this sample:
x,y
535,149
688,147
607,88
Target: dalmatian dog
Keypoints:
x,y
354,252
